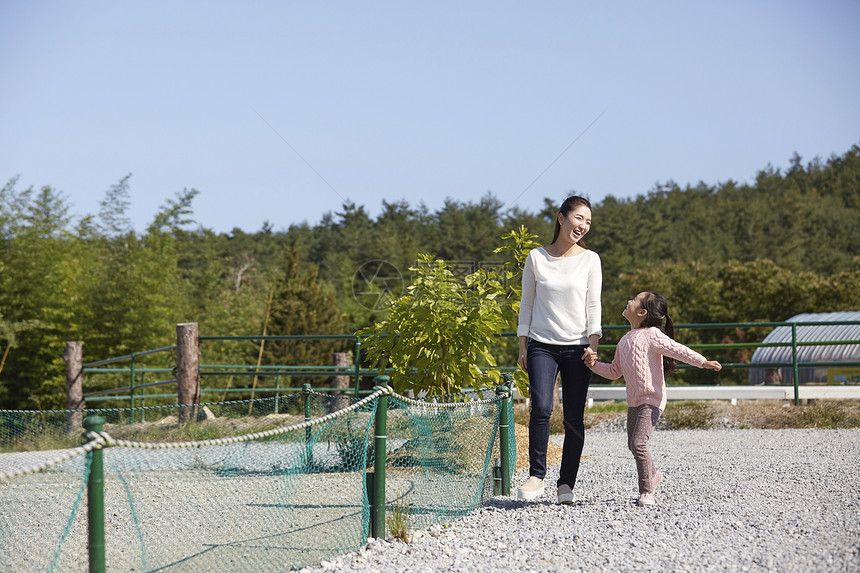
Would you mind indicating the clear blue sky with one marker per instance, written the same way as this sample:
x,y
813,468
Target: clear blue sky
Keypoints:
x,y
279,111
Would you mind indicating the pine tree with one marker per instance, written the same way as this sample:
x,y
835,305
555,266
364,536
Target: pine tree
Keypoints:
x,y
301,305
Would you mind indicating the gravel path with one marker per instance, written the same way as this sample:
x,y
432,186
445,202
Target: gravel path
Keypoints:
x,y
732,500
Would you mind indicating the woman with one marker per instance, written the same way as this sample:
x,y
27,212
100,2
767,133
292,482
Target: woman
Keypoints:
x,y
559,318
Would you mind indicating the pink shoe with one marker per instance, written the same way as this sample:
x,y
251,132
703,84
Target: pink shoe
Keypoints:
x,y
658,477
646,499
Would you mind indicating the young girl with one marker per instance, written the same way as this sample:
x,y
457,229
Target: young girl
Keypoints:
x,y
642,356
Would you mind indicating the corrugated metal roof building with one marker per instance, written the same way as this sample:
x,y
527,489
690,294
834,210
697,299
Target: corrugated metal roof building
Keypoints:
x,y
816,333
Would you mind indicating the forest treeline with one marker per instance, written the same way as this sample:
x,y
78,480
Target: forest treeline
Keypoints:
x,y
785,244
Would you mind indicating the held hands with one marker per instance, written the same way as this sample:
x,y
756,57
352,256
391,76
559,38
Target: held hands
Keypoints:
x,y
712,365
589,356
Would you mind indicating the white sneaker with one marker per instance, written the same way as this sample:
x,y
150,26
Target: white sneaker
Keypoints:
x,y
532,489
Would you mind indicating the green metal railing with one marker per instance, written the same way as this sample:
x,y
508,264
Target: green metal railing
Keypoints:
x,y
357,372
132,371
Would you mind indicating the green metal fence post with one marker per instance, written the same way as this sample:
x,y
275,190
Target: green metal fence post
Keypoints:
x,y
377,510
368,487
357,364
96,500
504,434
131,388
143,397
309,454
794,364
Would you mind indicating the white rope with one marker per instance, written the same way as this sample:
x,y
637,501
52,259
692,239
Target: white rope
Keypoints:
x,y
95,443
443,405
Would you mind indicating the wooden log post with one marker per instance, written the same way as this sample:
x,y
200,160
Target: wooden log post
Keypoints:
x,y
187,371
340,360
73,358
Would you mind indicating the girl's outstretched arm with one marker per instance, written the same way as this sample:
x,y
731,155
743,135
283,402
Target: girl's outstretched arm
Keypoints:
x,y
674,349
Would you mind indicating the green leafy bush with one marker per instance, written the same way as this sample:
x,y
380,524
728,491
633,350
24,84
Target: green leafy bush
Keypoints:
x,y
440,335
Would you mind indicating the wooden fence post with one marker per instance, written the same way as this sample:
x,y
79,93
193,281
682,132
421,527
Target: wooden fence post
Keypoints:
x,y
187,371
73,358
340,360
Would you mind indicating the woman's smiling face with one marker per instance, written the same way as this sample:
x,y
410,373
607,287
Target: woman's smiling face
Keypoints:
x,y
575,224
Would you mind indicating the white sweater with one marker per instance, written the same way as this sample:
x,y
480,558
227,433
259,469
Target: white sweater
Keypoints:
x,y
561,298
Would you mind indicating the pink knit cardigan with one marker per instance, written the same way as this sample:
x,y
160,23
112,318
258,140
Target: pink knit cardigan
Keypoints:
x,y
639,358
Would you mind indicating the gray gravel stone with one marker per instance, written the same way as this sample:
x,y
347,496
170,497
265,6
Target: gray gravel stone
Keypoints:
x,y
731,500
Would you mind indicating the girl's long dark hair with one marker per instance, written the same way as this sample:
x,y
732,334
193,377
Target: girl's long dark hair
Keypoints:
x,y
658,309
567,206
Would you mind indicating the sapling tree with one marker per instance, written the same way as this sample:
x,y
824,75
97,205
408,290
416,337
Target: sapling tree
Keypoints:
x,y
441,335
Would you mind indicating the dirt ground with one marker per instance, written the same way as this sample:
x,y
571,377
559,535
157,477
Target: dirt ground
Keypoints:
x,y
553,452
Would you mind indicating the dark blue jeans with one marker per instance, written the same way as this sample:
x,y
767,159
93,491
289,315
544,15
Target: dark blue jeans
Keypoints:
x,y
544,361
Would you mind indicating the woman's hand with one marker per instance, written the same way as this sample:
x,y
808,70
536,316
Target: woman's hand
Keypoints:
x,y
589,356
522,360
712,365
523,363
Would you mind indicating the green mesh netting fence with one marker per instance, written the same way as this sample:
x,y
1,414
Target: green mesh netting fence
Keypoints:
x,y
264,485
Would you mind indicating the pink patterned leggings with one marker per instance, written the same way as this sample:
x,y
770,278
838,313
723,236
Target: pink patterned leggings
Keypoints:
x,y
641,421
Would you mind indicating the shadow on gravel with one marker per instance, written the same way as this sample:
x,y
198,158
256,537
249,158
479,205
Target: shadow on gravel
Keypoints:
x,y
513,503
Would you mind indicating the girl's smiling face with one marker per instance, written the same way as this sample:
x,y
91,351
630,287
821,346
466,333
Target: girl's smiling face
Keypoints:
x,y
633,312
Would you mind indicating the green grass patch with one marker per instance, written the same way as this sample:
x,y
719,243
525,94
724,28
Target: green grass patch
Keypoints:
x,y
826,415
688,416
397,521
607,407
829,416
